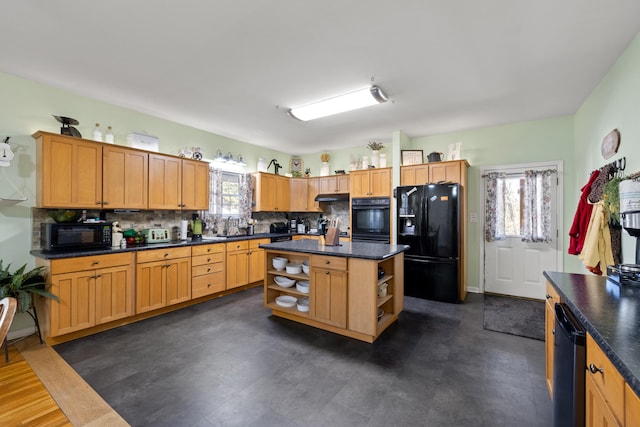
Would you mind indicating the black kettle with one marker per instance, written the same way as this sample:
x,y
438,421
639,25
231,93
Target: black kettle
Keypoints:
x,y
434,157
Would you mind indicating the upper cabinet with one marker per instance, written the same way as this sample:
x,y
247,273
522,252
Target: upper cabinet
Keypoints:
x,y
271,192
450,171
334,184
77,173
375,182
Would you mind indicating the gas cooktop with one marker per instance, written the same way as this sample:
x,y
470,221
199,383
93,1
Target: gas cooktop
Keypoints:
x,y
624,274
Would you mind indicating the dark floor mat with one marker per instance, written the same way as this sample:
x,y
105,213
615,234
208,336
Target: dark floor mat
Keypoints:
x,y
515,316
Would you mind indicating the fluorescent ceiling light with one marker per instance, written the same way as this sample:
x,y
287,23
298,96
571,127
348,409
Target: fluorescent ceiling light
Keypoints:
x,y
339,104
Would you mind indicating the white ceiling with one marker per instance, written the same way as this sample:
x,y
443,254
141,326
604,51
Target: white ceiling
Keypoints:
x,y
235,67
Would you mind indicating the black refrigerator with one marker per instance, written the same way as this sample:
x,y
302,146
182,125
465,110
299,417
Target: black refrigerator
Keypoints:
x,y
429,222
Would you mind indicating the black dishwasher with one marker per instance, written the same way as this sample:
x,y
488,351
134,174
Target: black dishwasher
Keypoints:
x,y
568,369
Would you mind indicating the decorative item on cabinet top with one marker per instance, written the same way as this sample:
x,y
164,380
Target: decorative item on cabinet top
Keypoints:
x,y
66,128
191,153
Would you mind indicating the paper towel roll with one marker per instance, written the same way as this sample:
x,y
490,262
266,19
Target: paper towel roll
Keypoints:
x,y
184,227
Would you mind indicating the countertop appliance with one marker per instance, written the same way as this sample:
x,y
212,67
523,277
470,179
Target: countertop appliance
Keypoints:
x,y
278,227
370,219
569,364
628,274
156,235
74,236
429,222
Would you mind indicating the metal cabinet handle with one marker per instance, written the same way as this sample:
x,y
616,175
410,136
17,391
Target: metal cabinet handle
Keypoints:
x,y
594,369
327,262
98,202
166,254
548,296
208,259
105,203
95,263
327,272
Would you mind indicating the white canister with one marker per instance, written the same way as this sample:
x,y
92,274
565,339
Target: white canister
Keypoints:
x,y
184,229
324,169
262,165
365,162
629,195
383,160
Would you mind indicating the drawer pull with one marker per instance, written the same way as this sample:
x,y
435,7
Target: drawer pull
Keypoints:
x,y
327,262
208,259
594,369
166,254
327,272
208,269
548,296
95,263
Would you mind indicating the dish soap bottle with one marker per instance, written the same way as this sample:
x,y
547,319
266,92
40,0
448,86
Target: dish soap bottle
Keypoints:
x,y
97,133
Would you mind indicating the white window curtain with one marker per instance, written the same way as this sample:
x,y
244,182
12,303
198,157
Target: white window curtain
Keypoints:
x,y
245,192
537,221
495,194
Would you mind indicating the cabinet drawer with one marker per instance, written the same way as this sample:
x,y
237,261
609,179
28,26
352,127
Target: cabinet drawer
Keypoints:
x,y
238,246
254,244
162,254
206,269
332,262
207,259
609,381
207,284
207,249
68,265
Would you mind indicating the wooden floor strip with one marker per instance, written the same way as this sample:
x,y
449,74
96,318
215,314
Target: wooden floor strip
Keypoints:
x,y
75,398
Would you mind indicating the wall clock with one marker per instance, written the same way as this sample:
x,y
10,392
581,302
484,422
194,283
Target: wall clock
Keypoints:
x,y
296,165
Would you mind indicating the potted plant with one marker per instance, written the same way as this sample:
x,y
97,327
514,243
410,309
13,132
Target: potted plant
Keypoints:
x,y
22,285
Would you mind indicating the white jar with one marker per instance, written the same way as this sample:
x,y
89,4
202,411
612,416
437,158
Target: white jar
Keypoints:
x,y
262,165
383,160
365,162
97,133
324,169
108,136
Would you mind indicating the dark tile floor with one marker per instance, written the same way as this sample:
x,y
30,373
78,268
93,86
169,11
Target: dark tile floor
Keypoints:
x,y
228,362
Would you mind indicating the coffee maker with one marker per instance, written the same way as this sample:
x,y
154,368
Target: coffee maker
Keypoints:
x,y
628,274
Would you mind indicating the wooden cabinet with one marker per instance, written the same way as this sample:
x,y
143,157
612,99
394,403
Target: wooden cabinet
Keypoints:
x,y
334,184
631,407
245,262
329,289
69,172
450,171
371,183
313,189
77,173
125,177
163,277
271,192
207,269
604,390
195,185
549,319
92,290
299,195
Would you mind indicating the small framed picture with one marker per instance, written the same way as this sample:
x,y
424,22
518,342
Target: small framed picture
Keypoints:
x,y
411,157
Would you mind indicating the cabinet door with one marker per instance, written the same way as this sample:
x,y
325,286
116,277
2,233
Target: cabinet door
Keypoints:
x,y
329,288
76,309
380,182
237,264
313,191
359,183
282,193
195,185
342,183
71,172
299,195
256,261
327,184
552,298
151,292
114,294
414,175
445,171
631,407
597,412
265,192
125,178
178,280
165,182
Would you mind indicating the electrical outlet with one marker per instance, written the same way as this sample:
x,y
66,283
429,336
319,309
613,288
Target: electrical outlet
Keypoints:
x,y
473,217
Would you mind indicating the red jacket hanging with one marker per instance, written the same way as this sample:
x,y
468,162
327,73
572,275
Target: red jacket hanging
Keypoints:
x,y
581,218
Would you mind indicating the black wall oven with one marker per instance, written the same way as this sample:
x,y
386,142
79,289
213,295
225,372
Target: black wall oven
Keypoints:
x,y
371,219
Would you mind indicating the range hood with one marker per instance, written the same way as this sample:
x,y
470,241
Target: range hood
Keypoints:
x,y
332,197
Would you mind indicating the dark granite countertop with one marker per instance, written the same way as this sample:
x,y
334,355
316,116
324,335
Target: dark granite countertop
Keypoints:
x,y
175,244
364,250
610,313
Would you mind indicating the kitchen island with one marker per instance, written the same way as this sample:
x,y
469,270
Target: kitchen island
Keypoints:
x,y
354,289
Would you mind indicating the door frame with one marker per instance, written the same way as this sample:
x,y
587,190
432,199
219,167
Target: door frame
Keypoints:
x,y
559,166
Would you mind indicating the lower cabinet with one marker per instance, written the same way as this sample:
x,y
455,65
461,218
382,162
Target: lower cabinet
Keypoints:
x,y
245,262
207,267
604,389
329,290
163,277
92,290
549,321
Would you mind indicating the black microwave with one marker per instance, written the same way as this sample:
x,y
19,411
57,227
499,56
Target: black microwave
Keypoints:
x,y
74,236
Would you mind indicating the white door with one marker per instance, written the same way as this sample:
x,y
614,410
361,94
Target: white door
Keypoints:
x,y
514,267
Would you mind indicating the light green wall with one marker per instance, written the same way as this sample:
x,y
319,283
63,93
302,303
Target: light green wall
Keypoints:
x,y
614,103
535,141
